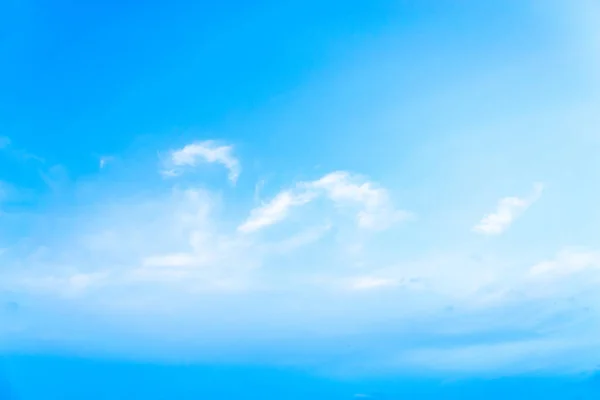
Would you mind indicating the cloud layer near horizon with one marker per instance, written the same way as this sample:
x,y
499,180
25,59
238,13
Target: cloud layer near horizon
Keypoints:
x,y
177,253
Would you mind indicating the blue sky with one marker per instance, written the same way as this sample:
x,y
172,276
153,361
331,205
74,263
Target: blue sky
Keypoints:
x,y
362,198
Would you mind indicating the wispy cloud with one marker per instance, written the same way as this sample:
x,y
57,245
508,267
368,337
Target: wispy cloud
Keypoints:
x,y
55,177
7,145
208,151
508,209
258,187
375,209
276,210
298,240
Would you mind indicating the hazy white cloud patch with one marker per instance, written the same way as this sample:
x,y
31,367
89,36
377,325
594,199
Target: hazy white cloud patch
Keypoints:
x,y
534,355
567,262
170,260
508,209
298,240
196,153
68,284
371,283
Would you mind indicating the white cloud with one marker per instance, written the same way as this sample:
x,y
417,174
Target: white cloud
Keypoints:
x,y
376,211
207,151
509,208
374,207
276,210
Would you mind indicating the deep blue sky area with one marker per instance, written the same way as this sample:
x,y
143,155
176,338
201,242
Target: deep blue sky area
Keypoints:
x,y
316,199
51,377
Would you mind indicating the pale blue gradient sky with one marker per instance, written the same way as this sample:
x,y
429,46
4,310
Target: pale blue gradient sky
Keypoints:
x,y
349,188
